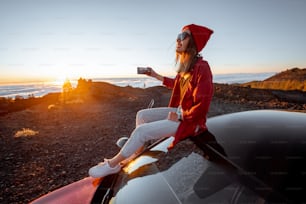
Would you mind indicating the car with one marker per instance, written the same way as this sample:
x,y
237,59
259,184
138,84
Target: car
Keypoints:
x,y
254,156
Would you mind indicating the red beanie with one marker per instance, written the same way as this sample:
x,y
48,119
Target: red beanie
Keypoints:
x,y
200,35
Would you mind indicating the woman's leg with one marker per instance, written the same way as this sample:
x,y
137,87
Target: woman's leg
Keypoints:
x,y
152,114
145,132
147,116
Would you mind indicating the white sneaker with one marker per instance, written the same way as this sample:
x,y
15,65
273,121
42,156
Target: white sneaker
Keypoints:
x,y
103,169
121,141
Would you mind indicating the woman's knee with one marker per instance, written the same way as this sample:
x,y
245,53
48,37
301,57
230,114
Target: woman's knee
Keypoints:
x,y
140,113
141,117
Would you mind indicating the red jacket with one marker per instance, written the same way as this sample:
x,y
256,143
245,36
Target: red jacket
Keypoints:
x,y
195,101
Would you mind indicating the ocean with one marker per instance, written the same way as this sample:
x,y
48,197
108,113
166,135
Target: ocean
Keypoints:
x,y
42,88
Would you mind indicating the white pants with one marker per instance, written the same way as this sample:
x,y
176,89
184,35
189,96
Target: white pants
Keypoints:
x,y
151,124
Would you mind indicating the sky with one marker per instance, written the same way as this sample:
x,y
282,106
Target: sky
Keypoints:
x,y
58,39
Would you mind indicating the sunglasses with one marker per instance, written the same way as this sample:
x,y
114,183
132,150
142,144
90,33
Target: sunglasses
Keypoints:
x,y
182,36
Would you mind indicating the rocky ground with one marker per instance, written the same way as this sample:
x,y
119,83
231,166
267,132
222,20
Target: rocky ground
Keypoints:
x,y
48,145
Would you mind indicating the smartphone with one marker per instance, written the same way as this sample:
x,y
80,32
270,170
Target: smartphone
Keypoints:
x,y
143,70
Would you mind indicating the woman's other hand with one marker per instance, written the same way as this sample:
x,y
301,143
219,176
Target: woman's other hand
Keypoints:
x,y
173,116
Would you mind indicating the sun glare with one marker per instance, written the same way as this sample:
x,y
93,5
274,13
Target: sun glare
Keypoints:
x,y
61,80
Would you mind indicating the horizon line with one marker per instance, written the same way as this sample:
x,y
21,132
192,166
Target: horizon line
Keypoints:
x,y
46,80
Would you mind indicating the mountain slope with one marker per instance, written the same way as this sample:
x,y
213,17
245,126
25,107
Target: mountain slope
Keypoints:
x,y
292,79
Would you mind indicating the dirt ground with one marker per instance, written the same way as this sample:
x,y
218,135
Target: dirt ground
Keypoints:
x,y
51,145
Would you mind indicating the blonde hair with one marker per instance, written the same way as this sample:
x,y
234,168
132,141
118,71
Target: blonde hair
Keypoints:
x,y
187,59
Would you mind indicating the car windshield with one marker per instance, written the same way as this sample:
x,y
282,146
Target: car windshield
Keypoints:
x,y
183,176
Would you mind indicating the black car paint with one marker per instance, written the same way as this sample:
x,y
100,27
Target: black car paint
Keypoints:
x,y
267,145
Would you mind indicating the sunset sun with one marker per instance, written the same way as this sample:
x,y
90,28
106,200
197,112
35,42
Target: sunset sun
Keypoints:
x,y
60,80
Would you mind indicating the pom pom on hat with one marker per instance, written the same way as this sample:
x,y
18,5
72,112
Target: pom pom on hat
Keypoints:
x,y
200,35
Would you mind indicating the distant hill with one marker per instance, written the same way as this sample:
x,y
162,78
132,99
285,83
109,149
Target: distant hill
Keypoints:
x,y
291,79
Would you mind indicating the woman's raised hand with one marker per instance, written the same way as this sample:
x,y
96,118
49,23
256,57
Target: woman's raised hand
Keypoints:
x,y
152,73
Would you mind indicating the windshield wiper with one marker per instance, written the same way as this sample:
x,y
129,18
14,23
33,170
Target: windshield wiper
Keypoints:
x,y
107,196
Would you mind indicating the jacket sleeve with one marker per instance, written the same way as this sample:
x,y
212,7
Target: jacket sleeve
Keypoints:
x,y
201,95
168,82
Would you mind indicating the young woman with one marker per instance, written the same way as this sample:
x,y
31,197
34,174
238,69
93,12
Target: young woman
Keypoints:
x,y
192,91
